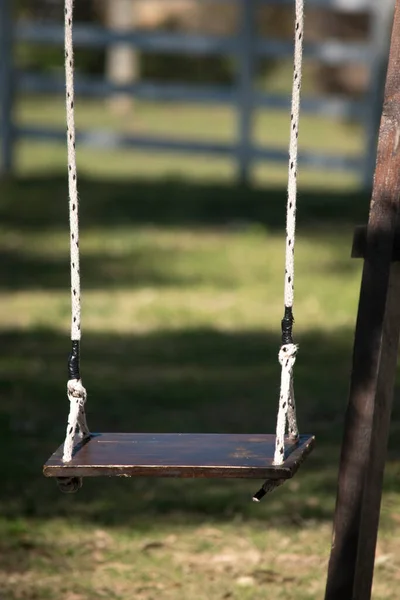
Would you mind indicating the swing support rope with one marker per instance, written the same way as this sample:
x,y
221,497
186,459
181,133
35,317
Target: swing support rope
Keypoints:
x,y
287,354
77,395
75,390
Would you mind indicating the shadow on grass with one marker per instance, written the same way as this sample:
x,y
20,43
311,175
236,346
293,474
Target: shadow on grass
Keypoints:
x,y
152,266
24,270
42,202
40,205
200,380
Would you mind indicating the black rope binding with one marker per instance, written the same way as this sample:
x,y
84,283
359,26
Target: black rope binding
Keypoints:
x,y
287,326
268,486
287,338
73,361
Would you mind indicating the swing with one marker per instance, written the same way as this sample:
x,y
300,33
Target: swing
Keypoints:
x,y
272,457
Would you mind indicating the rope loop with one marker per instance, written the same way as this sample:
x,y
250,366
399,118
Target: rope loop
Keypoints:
x,y
77,396
75,390
287,406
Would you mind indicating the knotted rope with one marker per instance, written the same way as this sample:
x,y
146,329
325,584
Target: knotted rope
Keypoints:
x,y
288,351
75,390
287,355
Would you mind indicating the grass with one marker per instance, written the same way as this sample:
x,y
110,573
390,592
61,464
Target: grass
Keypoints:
x,y
198,122
182,305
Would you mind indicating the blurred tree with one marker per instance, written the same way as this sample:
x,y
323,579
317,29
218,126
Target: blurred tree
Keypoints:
x,y
53,10
121,64
48,57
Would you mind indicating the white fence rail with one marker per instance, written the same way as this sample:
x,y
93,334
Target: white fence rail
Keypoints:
x,y
245,48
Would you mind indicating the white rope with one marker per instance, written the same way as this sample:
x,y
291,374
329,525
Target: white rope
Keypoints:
x,y
287,355
77,418
288,351
75,390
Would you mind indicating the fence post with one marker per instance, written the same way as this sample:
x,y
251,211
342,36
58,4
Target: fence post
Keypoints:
x,y
122,60
381,16
6,92
245,71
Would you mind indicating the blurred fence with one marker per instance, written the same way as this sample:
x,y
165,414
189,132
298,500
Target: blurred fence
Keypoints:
x,y
245,48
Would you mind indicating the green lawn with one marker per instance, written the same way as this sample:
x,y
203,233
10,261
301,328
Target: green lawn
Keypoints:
x,y
182,300
217,124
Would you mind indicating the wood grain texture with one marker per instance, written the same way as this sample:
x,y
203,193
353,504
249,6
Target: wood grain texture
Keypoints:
x,y
180,455
373,483
350,571
360,243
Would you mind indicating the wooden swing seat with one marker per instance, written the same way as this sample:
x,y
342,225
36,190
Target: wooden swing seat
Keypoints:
x,y
180,455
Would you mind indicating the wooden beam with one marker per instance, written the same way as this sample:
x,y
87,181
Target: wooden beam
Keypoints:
x,y
360,244
356,521
380,433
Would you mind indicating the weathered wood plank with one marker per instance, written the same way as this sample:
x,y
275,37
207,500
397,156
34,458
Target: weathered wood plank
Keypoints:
x,y
371,502
362,461
360,243
180,455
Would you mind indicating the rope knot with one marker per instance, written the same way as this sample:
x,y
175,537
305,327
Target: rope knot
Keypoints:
x,y
77,420
287,409
287,355
76,391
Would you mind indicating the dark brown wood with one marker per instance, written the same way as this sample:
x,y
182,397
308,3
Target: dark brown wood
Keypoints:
x,y
360,243
350,570
380,432
180,455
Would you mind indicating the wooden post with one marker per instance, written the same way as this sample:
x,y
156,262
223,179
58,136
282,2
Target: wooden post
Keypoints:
x,y
122,60
6,91
350,571
381,17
